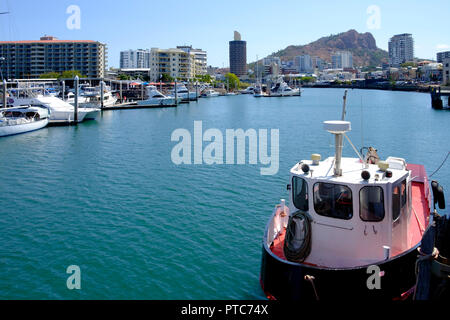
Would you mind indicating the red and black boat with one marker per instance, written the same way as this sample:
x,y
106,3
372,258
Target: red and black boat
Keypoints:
x,y
352,229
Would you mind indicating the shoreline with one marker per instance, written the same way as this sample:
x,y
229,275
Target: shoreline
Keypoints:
x,y
421,89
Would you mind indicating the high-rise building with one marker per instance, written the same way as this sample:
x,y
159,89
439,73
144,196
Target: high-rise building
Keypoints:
x,y
176,63
304,63
30,59
442,55
201,59
135,59
401,49
318,63
238,55
342,60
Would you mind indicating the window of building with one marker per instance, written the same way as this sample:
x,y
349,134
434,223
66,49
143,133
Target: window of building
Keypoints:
x,y
300,194
371,204
333,200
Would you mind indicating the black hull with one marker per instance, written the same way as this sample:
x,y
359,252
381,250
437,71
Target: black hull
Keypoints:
x,y
282,280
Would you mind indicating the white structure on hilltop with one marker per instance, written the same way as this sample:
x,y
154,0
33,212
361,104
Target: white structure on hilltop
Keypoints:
x,y
342,60
401,49
135,59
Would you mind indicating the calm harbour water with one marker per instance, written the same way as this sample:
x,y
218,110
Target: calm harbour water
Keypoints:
x,y
106,196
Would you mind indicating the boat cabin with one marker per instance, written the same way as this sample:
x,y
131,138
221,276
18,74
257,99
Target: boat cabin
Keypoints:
x,y
361,213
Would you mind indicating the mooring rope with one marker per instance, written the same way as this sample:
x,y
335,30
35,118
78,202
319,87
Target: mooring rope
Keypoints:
x,y
440,167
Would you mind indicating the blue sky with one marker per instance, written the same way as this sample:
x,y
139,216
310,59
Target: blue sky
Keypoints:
x,y
267,26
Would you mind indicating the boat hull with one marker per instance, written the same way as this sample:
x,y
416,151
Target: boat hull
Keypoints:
x,y
22,128
283,280
62,116
158,102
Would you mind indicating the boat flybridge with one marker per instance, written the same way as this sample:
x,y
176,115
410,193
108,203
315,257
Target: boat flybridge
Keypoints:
x,y
156,98
282,89
346,215
61,112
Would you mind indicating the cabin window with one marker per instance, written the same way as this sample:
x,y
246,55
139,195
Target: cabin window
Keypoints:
x,y
333,200
399,200
300,192
371,204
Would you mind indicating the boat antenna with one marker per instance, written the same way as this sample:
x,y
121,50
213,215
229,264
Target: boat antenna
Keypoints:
x,y
362,125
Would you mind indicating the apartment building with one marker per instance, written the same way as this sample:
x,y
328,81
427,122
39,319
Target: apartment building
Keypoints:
x,y
342,60
401,49
135,59
30,59
174,62
201,59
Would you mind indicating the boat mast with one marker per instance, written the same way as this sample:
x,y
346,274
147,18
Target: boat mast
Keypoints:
x,y
344,111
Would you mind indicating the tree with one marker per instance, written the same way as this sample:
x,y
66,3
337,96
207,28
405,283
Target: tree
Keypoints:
x,y
408,64
307,79
123,77
232,80
71,74
204,78
50,75
166,78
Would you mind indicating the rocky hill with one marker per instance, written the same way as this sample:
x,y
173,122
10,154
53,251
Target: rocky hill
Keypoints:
x,y
362,45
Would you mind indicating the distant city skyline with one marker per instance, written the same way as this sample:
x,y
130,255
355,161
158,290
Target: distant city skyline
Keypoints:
x,y
206,25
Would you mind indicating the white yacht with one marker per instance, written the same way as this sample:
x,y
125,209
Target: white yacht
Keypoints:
x,y
249,90
61,112
184,93
156,98
70,98
22,119
92,96
259,92
210,93
281,89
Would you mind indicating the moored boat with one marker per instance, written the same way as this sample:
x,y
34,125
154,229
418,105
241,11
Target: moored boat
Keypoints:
x,y
156,98
22,119
282,89
210,93
348,218
61,112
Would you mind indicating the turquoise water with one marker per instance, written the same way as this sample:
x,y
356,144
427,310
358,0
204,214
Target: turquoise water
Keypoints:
x,y
106,196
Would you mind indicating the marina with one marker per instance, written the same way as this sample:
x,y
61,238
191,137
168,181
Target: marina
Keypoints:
x,y
117,224
141,158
